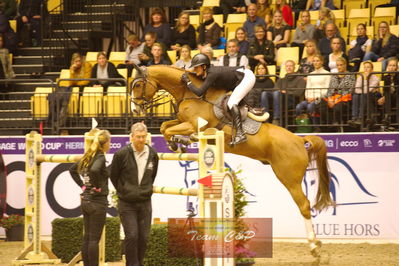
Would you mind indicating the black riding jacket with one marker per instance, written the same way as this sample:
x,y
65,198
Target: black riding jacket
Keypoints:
x,y
221,77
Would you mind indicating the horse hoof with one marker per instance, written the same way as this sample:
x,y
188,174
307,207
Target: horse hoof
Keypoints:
x,y
316,249
172,146
194,137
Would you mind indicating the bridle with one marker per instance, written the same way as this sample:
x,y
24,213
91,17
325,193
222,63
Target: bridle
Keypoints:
x,y
145,103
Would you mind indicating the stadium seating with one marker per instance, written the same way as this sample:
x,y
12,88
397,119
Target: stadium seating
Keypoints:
x,y
115,101
91,102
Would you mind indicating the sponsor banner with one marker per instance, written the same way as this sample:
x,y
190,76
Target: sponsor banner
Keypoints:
x,y
364,186
378,142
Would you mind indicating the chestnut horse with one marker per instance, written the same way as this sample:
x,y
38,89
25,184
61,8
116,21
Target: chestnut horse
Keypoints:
x,y
274,145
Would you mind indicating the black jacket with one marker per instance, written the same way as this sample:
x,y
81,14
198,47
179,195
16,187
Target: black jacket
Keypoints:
x,y
124,175
389,50
294,85
98,174
112,73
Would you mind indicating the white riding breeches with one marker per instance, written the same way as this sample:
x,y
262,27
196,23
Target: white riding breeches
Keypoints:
x,y
243,88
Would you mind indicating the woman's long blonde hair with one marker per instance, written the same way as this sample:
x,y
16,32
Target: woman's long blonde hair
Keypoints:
x,y
101,137
387,36
180,26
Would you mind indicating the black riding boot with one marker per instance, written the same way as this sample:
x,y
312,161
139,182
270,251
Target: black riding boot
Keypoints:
x,y
240,135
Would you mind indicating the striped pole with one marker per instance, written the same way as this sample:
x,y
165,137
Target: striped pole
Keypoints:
x,y
178,156
176,191
58,158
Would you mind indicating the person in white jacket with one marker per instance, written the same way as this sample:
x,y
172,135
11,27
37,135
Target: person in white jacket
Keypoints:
x,y
316,89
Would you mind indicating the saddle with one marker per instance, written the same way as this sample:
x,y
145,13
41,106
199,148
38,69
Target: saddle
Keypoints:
x,y
222,112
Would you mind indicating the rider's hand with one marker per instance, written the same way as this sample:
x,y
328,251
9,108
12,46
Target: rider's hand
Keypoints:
x,y
185,79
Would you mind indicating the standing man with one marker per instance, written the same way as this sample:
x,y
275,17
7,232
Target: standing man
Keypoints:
x,y
133,172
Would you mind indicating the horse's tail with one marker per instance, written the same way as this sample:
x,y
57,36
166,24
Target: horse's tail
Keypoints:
x,y
317,151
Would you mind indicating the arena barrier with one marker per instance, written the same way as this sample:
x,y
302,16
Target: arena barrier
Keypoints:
x,y
215,195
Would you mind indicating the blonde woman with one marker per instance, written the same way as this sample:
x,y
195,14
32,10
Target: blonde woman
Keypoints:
x,y
209,31
384,47
364,84
279,32
306,64
80,69
316,89
264,10
242,38
94,185
185,57
183,33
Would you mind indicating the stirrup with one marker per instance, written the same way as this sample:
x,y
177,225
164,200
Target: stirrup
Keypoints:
x,y
238,139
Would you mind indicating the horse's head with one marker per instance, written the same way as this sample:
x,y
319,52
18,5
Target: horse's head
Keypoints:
x,y
143,90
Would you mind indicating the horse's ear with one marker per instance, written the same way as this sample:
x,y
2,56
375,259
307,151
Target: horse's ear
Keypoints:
x,y
139,71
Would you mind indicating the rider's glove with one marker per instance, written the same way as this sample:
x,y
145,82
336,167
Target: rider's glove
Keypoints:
x,y
185,79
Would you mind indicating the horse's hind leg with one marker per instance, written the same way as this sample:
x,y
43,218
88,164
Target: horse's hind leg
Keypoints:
x,y
292,180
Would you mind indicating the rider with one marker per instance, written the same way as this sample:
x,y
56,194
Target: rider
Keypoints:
x,y
237,79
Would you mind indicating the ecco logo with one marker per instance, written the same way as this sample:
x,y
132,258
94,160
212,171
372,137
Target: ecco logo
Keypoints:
x,y
353,143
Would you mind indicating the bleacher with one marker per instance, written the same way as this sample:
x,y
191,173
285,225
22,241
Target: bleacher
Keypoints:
x,y
27,107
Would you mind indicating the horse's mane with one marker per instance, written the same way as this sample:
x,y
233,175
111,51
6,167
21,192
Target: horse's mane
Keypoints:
x,y
169,67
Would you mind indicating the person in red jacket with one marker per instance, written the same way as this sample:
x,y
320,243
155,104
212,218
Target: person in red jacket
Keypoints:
x,y
286,10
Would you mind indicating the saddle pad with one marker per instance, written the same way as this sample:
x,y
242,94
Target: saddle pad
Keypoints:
x,y
250,126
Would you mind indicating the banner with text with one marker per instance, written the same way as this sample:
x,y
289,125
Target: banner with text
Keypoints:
x,y
362,166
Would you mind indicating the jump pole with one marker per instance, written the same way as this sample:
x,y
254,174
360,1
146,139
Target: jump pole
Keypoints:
x,y
214,201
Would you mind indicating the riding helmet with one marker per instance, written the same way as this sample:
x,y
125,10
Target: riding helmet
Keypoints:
x,y
200,59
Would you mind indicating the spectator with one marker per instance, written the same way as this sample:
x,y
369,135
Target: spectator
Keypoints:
x,y
227,7
319,4
157,56
286,11
384,47
262,89
8,8
10,38
6,71
79,70
359,46
209,31
233,57
330,61
325,42
326,16
133,50
264,11
390,99
364,84
185,57
159,26
316,89
279,32
208,51
252,21
336,104
28,21
306,64
241,37
104,70
291,87
183,33
146,56
260,49
303,32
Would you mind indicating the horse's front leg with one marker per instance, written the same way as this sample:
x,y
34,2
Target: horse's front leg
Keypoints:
x,y
165,125
185,129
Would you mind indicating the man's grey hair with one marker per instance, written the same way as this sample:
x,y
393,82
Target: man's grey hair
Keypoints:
x,y
139,126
